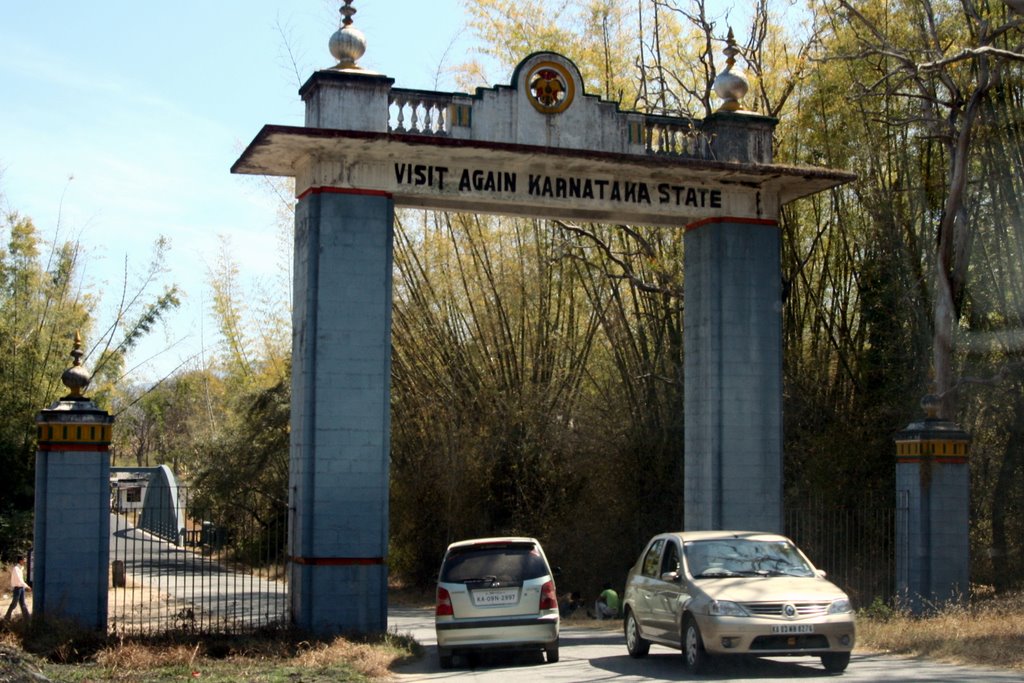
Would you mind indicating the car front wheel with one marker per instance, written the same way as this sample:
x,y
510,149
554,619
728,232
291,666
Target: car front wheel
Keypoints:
x,y
835,662
635,643
693,646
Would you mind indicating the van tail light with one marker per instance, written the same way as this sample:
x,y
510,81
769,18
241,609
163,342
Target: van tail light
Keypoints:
x,y
444,604
548,599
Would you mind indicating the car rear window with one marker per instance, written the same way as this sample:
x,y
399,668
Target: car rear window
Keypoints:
x,y
503,563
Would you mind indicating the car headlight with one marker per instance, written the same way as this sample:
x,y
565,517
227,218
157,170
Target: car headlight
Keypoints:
x,y
841,606
726,608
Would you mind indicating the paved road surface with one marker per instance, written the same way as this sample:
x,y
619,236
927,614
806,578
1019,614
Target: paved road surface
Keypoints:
x,y
588,654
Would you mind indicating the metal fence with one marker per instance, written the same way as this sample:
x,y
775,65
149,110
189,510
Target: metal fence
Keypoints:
x,y
855,545
177,568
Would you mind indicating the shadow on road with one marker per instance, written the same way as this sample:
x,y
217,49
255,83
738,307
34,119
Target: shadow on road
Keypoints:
x,y
478,661
662,666
668,666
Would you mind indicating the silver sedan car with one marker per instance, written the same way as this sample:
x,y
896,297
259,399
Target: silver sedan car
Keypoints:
x,y
735,592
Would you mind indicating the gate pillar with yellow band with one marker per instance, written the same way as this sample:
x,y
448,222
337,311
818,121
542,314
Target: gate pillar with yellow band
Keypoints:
x,y
72,505
933,512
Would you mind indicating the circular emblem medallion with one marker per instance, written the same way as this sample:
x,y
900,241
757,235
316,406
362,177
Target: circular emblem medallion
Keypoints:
x,y
551,88
789,611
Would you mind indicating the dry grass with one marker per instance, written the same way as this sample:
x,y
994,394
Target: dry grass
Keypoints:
x,y
372,660
988,633
65,653
136,657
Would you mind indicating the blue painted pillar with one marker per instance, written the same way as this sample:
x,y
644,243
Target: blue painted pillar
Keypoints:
x,y
733,365
72,506
340,425
933,512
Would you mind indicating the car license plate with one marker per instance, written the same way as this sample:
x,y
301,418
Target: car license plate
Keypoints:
x,y
495,596
793,628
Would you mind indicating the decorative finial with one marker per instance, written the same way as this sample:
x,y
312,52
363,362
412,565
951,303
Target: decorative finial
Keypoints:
x,y
730,50
76,378
348,43
931,405
731,85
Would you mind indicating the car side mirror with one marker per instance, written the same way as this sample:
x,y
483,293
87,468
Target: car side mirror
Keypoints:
x,y
556,572
671,577
821,573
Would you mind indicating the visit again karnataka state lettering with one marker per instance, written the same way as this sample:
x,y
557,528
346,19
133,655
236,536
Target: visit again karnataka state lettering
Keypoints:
x,y
556,187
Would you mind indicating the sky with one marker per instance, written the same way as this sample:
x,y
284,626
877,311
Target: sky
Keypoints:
x,y
119,122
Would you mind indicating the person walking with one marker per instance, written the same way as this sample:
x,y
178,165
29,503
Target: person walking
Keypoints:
x,y
18,587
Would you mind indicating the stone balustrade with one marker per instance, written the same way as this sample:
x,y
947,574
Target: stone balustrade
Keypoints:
x,y
426,112
673,136
419,112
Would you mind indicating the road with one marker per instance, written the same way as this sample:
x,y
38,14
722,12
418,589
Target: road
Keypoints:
x,y
589,654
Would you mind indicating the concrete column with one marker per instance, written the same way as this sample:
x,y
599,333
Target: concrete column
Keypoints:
x,y
340,424
72,507
733,337
933,513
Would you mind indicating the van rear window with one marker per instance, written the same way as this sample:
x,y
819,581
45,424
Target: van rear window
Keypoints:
x,y
507,563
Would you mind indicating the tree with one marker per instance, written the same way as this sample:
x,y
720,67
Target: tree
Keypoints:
x,y
490,342
170,422
44,302
241,479
224,427
948,62
41,306
936,85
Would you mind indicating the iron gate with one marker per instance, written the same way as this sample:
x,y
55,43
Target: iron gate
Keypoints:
x,y
855,544
178,568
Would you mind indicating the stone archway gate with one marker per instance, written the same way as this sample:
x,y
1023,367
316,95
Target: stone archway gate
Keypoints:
x,y
539,146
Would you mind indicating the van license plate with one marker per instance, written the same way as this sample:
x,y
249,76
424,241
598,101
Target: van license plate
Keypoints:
x,y
495,596
793,628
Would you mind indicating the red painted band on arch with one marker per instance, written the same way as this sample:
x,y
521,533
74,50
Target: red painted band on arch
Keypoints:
x,y
732,219
343,190
337,561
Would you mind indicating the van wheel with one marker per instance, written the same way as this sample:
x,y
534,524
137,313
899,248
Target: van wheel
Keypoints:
x,y
636,645
552,653
835,662
693,646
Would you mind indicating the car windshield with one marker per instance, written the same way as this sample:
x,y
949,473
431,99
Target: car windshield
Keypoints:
x,y
493,564
744,557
